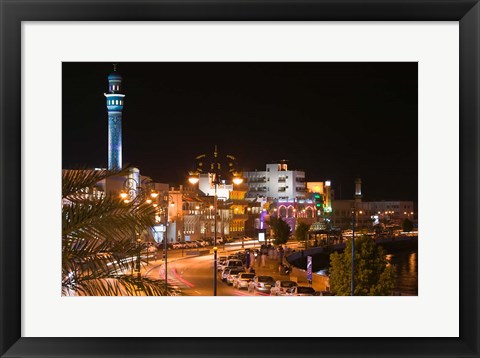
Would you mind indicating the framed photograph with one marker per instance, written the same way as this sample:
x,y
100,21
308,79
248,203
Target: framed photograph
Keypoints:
x,y
232,149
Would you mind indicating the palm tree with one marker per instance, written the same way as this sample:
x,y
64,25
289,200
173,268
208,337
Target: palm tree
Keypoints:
x,y
98,245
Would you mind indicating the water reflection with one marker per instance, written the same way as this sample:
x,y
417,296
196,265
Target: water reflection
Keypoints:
x,y
413,262
406,266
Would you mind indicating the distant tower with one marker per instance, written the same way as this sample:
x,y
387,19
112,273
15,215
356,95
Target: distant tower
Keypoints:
x,y
358,190
114,107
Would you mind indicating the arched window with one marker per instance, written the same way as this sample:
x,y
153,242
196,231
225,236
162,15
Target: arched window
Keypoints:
x,y
290,212
282,211
309,212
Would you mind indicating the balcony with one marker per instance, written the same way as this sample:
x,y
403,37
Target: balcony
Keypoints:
x,y
257,180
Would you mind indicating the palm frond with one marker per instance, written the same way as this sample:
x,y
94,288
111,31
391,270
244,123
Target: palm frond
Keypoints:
x,y
99,239
123,285
76,180
104,217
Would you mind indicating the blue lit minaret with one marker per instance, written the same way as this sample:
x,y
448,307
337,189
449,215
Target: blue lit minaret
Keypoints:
x,y
115,106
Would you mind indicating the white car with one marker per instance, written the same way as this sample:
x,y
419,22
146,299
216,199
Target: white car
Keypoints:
x,y
177,245
233,274
261,284
233,263
221,262
225,273
242,280
281,287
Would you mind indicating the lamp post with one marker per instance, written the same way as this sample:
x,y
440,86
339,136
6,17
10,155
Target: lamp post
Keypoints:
x,y
137,193
215,172
357,199
352,288
167,199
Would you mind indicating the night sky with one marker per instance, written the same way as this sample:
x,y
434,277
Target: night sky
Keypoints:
x,y
336,121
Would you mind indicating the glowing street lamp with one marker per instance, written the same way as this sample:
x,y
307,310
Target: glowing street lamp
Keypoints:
x,y
193,179
215,171
237,179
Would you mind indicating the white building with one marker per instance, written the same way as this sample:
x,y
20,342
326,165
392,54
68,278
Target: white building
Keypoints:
x,y
206,186
276,182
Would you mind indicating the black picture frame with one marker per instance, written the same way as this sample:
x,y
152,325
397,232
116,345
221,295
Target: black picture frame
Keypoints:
x,y
13,12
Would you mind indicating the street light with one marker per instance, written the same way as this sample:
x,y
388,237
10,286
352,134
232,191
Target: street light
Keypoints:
x,y
193,179
352,284
168,200
137,193
215,171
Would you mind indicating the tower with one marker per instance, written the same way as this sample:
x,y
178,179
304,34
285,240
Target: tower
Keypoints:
x,y
114,106
358,190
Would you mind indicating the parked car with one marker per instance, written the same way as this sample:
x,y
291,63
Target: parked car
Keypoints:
x,y
234,263
281,287
226,271
203,243
221,262
233,274
299,291
177,245
242,280
189,245
261,284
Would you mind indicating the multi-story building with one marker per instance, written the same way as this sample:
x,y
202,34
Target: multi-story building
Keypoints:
x,y
368,213
276,182
206,185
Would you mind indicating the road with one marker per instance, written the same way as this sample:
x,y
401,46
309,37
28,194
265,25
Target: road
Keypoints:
x,y
193,276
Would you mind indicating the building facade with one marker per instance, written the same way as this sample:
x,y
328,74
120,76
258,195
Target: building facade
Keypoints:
x,y
276,182
368,213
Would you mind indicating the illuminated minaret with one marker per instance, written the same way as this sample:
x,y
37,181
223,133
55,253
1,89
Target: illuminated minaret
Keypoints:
x,y
114,106
358,190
